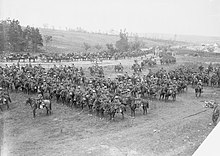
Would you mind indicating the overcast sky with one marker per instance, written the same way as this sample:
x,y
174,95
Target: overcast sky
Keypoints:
x,y
199,17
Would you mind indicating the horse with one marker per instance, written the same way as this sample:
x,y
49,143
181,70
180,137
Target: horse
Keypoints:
x,y
198,90
97,107
119,68
4,101
39,105
170,92
145,105
137,68
121,109
130,101
162,93
113,109
152,92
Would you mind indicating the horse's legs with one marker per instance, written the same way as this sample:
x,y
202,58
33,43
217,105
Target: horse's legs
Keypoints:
x,y
110,116
82,106
7,105
143,110
102,113
57,98
113,115
133,112
47,110
34,111
50,107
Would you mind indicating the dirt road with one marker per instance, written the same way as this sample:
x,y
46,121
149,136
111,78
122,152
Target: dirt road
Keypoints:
x,y
168,129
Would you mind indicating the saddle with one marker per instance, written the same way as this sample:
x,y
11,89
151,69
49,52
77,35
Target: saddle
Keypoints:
x,y
41,104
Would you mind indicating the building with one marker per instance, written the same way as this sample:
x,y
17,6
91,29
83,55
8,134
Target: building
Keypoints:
x,y
216,48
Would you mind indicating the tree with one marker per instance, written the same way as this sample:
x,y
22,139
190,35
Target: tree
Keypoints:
x,y
27,36
86,46
15,34
122,44
36,39
110,47
1,37
98,47
48,39
13,38
5,35
136,44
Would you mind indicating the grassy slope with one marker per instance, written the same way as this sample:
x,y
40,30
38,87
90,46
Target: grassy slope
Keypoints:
x,y
69,41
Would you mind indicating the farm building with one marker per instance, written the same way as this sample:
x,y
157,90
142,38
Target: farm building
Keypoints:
x,y
216,48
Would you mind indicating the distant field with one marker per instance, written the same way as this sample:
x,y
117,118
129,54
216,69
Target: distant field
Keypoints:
x,y
69,41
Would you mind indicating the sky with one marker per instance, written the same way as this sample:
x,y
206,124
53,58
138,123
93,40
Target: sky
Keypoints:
x,y
192,17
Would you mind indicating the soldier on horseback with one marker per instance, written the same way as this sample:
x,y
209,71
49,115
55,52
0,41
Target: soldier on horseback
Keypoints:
x,y
39,100
198,89
4,98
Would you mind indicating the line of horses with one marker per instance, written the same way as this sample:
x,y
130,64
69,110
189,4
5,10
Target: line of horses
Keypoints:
x,y
67,57
61,84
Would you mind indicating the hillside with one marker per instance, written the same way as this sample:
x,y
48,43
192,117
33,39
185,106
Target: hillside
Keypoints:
x,y
71,41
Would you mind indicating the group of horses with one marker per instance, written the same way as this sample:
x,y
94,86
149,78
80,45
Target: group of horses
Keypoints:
x,y
119,68
148,62
74,56
167,59
96,70
20,57
165,84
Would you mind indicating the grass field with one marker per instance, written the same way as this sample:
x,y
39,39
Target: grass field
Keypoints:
x,y
71,41
169,128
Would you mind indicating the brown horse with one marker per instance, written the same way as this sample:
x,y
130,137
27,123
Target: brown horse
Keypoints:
x,y
145,105
198,90
35,104
4,101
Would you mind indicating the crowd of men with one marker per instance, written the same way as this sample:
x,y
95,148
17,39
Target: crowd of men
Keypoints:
x,y
69,85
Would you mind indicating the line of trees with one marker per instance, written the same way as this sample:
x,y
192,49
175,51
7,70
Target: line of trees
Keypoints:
x,y
16,39
122,45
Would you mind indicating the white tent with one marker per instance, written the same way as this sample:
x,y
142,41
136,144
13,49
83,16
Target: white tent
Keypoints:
x,y
216,50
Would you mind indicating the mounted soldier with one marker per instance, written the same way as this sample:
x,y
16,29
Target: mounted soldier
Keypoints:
x,y
199,88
